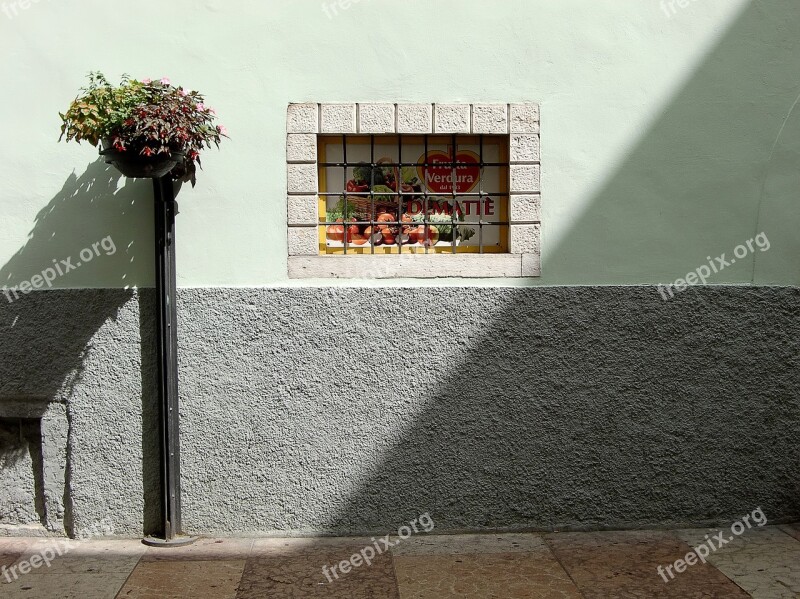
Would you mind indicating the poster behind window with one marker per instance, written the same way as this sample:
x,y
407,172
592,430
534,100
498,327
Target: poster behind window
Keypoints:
x,y
390,194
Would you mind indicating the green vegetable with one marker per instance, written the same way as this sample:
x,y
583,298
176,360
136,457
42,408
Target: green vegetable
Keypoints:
x,y
409,175
383,193
378,177
444,223
337,212
388,172
445,230
361,173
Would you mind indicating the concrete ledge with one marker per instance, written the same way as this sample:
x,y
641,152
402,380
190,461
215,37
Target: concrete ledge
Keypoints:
x,y
391,266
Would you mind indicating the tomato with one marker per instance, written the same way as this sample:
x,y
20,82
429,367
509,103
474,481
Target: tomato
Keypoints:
x,y
336,232
414,233
385,217
355,237
370,232
429,237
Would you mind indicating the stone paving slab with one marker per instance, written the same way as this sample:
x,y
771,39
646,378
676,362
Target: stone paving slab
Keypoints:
x,y
11,549
85,557
296,546
625,564
792,530
296,571
44,585
763,561
8,558
469,544
184,579
483,576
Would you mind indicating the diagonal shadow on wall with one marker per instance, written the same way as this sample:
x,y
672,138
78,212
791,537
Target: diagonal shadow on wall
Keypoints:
x,y
606,407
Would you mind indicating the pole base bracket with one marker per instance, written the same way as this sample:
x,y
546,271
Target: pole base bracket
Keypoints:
x,y
176,542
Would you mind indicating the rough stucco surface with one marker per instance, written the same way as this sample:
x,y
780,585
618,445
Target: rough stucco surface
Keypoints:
x,y
354,409
82,349
17,482
33,469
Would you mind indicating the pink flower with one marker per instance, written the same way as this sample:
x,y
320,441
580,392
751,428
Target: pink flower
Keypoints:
x,y
165,81
147,81
222,130
201,107
183,92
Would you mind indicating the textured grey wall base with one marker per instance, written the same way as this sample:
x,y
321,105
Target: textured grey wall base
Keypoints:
x,y
34,469
17,481
80,352
321,410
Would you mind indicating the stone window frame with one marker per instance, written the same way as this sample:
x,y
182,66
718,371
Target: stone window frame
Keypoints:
x,y
520,121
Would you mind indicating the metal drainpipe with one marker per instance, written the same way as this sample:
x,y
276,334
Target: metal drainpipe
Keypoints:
x,y
167,350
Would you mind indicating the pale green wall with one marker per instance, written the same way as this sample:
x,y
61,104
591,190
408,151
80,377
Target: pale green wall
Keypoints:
x,y
660,134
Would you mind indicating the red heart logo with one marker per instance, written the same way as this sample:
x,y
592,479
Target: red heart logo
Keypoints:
x,y
439,179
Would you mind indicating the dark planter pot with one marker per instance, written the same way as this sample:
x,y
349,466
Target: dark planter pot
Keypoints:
x,y
137,166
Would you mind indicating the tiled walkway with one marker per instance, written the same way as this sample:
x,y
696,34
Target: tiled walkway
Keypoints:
x,y
763,563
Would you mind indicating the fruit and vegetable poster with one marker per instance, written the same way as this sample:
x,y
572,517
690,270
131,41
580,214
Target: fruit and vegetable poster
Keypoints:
x,y
422,217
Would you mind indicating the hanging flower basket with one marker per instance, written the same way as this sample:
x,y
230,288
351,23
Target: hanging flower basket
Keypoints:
x,y
137,166
144,128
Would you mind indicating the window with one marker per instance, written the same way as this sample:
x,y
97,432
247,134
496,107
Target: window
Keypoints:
x,y
395,194
413,190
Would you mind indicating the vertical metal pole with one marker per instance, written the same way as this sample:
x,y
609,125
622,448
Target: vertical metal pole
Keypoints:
x,y
167,343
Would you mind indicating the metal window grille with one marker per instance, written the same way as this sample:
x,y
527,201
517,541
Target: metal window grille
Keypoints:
x,y
405,203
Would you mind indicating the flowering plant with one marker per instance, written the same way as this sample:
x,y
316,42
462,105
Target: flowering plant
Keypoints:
x,y
143,118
